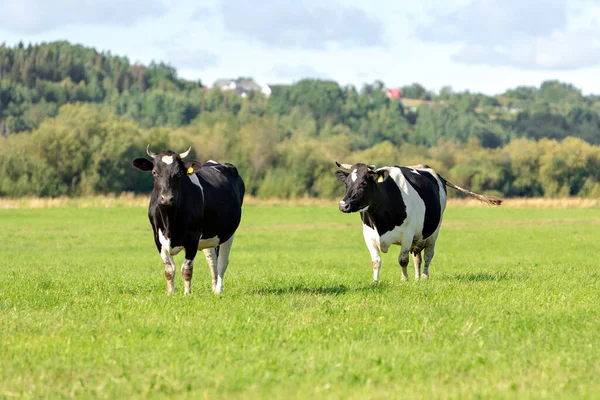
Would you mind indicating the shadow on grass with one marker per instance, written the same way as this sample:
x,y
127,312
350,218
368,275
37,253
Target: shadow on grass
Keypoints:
x,y
322,290
303,289
482,277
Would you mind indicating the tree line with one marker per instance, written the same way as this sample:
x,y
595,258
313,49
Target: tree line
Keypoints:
x,y
72,119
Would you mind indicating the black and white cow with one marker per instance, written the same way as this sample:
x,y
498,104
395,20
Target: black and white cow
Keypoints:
x,y
399,205
193,207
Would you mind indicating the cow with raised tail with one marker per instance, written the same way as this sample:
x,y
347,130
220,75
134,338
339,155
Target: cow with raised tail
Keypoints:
x,y
399,205
193,207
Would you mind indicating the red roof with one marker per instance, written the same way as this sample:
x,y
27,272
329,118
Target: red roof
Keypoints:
x,y
394,93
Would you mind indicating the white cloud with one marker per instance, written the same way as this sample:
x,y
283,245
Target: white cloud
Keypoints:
x,y
536,34
297,72
307,24
36,16
559,51
198,59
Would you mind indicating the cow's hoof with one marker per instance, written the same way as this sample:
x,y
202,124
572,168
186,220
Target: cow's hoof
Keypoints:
x,y
424,276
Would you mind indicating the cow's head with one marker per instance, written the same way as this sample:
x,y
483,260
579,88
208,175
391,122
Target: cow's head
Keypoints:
x,y
361,181
168,170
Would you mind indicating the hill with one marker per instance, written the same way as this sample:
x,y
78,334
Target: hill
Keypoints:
x,y
82,114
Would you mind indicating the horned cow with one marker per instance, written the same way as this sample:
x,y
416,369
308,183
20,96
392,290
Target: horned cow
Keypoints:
x,y
193,207
399,205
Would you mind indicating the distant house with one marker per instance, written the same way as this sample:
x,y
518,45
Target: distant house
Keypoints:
x,y
266,90
512,110
393,93
242,86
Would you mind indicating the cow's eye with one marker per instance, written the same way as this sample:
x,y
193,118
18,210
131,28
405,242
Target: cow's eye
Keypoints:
x,y
154,173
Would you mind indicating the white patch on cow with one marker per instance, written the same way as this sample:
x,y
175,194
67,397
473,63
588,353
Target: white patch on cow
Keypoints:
x,y
164,242
354,175
414,171
372,241
208,243
175,250
166,245
417,263
165,254
441,190
214,167
211,259
342,203
195,180
363,209
222,263
404,234
167,160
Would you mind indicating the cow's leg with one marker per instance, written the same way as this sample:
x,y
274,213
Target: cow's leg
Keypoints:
x,y
372,242
166,253
169,270
211,260
429,250
187,269
403,261
376,264
222,263
428,253
405,245
375,261
417,262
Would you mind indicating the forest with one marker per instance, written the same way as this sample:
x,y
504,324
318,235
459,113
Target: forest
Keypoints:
x,y
73,118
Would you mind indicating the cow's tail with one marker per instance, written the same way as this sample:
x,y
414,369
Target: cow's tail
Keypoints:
x,y
491,200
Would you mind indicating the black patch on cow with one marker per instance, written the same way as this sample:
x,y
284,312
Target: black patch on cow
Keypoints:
x,y
388,209
428,189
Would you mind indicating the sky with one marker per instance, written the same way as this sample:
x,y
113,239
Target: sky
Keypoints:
x,y
484,46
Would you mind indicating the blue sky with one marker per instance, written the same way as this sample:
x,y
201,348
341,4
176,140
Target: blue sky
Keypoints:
x,y
483,46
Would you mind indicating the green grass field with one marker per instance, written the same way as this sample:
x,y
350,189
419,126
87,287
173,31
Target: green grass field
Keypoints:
x,y
512,309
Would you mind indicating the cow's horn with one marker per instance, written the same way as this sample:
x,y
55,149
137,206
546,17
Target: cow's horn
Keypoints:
x,y
185,153
151,154
372,166
345,166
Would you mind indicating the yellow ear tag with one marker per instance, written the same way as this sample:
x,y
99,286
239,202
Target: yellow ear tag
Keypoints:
x,y
380,179
190,170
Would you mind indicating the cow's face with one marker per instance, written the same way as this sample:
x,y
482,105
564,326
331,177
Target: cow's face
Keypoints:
x,y
361,181
168,169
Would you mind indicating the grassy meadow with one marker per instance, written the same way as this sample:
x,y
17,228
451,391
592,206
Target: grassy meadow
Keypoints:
x,y
512,309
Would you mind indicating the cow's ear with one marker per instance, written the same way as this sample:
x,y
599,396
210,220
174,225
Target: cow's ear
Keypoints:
x,y
381,175
192,166
143,164
341,175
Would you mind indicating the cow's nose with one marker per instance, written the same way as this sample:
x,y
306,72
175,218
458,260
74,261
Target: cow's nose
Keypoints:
x,y
344,207
165,199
